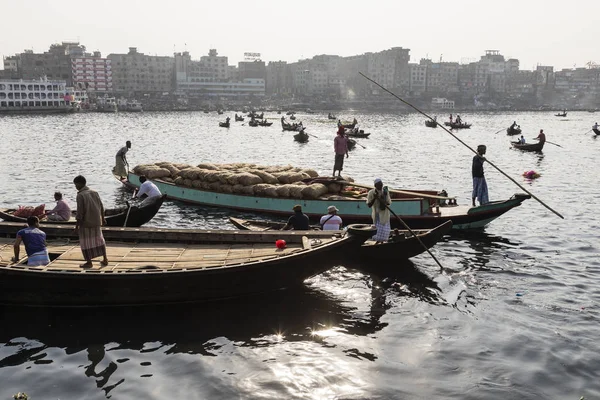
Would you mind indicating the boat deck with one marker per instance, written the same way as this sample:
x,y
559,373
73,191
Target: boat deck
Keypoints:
x,y
66,256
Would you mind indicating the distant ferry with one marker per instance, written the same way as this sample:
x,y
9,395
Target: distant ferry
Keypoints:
x,y
18,96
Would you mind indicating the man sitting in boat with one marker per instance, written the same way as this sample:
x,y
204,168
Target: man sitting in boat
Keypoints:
x,y
595,126
450,118
148,189
513,126
298,221
121,161
522,140
331,221
339,123
62,211
379,200
35,244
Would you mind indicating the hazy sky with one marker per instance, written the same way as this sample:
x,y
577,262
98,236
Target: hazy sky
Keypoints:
x,y
555,33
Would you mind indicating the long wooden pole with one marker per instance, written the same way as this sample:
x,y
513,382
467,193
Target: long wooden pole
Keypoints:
x,y
464,144
415,235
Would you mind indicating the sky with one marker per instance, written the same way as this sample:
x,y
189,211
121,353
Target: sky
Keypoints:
x,y
557,33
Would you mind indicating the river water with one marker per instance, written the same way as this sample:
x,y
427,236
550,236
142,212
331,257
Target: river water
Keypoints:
x,y
514,313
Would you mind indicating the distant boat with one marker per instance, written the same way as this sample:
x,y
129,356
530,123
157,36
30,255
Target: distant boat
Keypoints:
x,y
431,123
528,146
596,131
513,131
564,114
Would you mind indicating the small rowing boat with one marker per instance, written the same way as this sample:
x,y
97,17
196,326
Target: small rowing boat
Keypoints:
x,y
360,134
513,131
528,146
301,137
401,246
561,114
134,215
224,124
596,131
462,125
431,123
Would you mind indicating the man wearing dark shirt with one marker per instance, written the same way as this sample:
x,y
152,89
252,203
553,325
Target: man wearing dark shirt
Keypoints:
x,y
480,189
298,221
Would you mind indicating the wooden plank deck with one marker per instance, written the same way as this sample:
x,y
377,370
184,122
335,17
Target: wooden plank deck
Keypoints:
x,y
169,256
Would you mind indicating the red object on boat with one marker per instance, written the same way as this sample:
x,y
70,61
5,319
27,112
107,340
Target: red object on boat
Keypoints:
x,y
280,244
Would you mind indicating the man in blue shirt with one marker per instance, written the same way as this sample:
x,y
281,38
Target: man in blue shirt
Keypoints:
x,y
35,244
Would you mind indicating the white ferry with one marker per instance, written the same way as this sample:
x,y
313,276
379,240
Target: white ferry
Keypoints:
x,y
18,96
106,104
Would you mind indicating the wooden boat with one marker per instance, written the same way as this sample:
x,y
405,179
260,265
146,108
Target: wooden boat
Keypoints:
x,y
265,123
359,134
561,114
431,123
416,208
462,125
239,119
596,131
186,265
513,131
349,126
301,137
401,246
219,112
256,116
289,127
134,215
292,117
253,123
331,116
224,124
528,146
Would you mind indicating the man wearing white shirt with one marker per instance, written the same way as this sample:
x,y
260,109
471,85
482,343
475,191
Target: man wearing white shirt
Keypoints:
x,y
331,221
148,189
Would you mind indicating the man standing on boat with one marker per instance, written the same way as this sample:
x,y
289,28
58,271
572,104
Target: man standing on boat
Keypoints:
x,y
541,137
298,221
340,146
35,244
379,200
480,189
121,161
148,189
90,218
331,221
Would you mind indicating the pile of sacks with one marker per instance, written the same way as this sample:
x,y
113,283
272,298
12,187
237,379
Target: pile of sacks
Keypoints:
x,y
241,178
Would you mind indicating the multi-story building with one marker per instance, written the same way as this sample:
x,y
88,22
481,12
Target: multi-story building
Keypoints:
x,y
54,64
418,78
217,65
92,73
137,72
279,78
252,70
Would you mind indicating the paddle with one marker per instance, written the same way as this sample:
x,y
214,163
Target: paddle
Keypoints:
x,y
415,235
359,144
588,132
416,194
499,131
464,144
550,143
127,216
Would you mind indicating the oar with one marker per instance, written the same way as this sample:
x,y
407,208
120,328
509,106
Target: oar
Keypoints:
x,y
360,144
550,143
415,235
127,216
414,194
499,131
464,144
587,132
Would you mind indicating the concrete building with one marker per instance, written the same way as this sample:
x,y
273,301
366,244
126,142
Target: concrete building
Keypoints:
x,y
418,77
252,70
54,64
217,65
92,73
279,78
137,72
389,68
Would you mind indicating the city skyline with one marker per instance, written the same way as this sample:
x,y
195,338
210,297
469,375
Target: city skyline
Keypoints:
x,y
289,34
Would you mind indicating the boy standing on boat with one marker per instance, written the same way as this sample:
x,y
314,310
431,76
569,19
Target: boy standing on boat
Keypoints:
x,y
121,161
90,218
35,244
480,189
379,199
340,146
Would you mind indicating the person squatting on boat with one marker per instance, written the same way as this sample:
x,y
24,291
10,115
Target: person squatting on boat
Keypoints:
x,y
90,218
340,146
35,244
480,189
331,221
298,221
148,189
62,211
121,161
378,199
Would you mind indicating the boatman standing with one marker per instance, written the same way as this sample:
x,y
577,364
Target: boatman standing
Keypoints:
x,y
541,137
148,189
379,200
340,146
121,161
480,189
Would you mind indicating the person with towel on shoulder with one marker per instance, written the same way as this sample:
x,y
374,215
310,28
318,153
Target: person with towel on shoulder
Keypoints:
x,y
379,201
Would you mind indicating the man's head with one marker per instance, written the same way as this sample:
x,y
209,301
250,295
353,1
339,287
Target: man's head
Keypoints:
x,y
332,210
57,196
128,144
481,149
297,208
541,131
378,184
33,222
143,178
79,182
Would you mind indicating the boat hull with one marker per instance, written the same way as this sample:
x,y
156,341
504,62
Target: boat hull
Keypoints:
x,y
528,146
414,211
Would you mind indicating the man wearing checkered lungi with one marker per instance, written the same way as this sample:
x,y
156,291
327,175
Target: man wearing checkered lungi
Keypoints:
x,y
90,218
379,199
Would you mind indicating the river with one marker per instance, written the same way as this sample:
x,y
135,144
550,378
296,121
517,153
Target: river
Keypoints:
x,y
514,313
